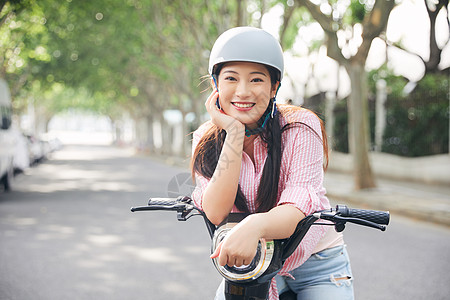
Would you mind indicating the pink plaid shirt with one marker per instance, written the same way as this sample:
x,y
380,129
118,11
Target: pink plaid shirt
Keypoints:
x,y
300,184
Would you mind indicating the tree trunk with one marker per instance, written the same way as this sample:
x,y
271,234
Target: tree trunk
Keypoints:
x,y
185,149
380,114
150,143
241,13
158,142
330,103
358,112
167,133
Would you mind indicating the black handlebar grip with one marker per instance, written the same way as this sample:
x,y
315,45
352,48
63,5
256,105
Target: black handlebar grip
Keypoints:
x,y
376,216
163,202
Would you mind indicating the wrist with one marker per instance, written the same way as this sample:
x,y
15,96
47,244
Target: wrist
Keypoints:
x,y
235,127
256,222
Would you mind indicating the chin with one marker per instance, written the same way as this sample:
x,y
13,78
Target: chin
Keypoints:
x,y
248,121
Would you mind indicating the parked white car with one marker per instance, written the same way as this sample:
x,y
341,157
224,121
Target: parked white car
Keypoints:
x,y
22,153
7,139
35,149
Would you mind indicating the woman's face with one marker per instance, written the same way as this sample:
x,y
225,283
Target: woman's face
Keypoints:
x,y
245,90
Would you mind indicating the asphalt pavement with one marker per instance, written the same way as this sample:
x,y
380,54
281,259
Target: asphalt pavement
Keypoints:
x,y
66,232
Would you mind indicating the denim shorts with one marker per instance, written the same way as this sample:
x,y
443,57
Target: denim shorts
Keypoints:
x,y
325,275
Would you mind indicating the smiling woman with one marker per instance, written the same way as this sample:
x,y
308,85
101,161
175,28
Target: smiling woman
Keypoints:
x,y
261,159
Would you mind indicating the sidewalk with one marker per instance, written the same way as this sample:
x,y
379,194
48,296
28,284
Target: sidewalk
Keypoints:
x,y
417,200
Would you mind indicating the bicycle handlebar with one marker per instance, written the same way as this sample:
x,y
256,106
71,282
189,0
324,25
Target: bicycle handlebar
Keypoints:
x,y
183,205
375,216
175,204
163,201
342,214
339,216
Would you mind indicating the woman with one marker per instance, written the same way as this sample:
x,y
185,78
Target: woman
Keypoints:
x,y
265,159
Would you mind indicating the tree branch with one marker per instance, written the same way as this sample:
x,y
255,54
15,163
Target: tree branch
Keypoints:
x,y
287,16
327,24
373,25
435,52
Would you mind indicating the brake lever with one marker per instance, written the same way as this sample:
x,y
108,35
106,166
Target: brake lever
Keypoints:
x,y
179,207
141,208
343,220
186,214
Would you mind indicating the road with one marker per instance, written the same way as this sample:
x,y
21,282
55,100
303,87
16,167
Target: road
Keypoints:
x,y
67,232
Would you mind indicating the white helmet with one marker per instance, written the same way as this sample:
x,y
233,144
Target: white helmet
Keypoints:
x,y
247,44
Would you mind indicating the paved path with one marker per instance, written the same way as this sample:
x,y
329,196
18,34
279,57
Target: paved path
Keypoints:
x,y
67,233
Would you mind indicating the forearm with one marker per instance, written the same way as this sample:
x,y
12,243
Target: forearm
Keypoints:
x,y
278,223
220,194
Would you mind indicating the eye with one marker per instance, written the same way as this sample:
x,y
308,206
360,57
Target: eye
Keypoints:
x,y
257,80
230,78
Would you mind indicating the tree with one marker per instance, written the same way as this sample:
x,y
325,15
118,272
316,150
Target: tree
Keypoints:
x,y
363,22
135,57
21,42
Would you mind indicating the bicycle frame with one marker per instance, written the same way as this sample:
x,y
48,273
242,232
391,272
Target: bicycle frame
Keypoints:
x,y
257,287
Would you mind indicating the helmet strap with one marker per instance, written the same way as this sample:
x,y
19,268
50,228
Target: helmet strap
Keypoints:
x,y
274,108
271,111
263,120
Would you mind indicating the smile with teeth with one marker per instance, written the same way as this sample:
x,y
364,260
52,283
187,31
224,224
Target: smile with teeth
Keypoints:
x,y
243,105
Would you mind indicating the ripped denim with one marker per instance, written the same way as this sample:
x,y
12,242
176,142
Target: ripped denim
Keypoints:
x,y
325,275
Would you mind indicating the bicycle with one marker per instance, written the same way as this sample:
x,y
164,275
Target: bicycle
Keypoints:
x,y
252,282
